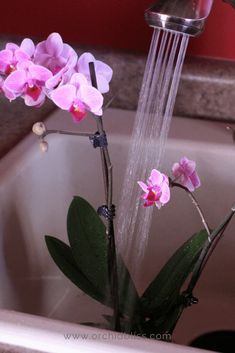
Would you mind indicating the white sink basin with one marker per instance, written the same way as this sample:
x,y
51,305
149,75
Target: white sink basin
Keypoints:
x,y
36,190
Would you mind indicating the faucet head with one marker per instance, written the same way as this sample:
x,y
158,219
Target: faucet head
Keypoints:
x,y
184,16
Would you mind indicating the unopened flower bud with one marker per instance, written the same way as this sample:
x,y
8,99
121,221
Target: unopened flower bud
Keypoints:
x,y
39,128
43,146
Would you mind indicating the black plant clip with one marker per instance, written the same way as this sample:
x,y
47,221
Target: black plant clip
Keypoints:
x,y
189,299
106,212
99,140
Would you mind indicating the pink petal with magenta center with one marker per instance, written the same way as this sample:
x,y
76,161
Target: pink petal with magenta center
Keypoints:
x,y
34,103
78,112
148,203
33,91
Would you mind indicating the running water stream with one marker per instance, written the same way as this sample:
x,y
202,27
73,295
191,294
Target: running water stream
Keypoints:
x,y
154,113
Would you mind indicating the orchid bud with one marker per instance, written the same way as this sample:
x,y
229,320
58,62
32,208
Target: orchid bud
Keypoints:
x,y
39,128
43,146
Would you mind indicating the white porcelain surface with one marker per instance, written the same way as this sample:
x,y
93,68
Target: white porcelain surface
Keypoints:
x,y
53,336
35,192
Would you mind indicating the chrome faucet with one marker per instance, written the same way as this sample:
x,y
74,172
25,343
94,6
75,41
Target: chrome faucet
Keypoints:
x,y
184,16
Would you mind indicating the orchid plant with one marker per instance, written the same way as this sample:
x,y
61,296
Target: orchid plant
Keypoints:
x,y
53,70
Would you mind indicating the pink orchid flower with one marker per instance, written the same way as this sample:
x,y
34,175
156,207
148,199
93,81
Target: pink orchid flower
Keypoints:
x,y
14,54
28,81
185,173
157,190
103,71
54,54
78,97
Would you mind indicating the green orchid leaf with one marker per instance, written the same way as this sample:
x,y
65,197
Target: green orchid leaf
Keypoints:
x,y
163,325
128,295
87,237
86,233
162,294
62,255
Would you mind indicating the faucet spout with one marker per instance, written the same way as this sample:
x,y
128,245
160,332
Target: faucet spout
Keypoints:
x,y
184,16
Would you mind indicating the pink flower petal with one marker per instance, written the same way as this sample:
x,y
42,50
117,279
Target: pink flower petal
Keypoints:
x,y
165,196
12,46
175,170
104,70
157,191
102,84
98,112
54,44
21,55
83,63
158,204
189,185
188,165
143,186
70,55
195,180
8,94
53,81
92,98
64,96
41,56
16,81
40,73
6,57
78,80
185,173
40,48
24,65
28,46
156,177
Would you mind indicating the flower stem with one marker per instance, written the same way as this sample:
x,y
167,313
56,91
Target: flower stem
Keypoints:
x,y
207,250
108,186
196,204
206,253
62,132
